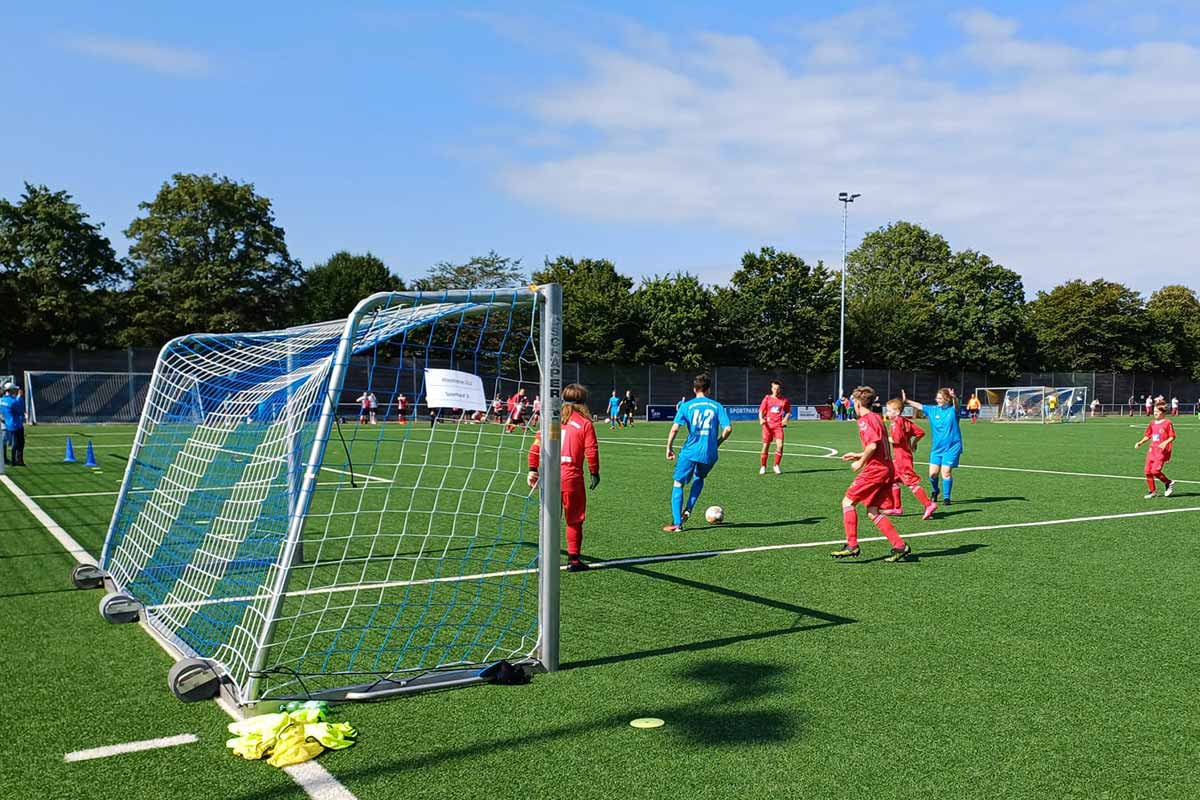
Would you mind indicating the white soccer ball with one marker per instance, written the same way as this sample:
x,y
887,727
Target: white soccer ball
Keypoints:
x,y
714,514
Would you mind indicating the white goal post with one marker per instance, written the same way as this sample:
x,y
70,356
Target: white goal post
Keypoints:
x,y
292,553
84,397
1041,404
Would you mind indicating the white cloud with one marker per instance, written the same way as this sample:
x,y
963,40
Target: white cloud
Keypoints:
x,y
149,55
1057,160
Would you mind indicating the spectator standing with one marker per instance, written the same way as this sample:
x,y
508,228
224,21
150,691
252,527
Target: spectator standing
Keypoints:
x,y
12,411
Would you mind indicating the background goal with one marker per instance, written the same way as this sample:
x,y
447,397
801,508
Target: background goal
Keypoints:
x,y
1043,404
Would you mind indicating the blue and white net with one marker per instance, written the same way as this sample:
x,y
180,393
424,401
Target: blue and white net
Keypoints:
x,y
264,528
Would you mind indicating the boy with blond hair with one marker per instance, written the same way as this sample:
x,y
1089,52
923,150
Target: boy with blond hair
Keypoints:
x,y
904,437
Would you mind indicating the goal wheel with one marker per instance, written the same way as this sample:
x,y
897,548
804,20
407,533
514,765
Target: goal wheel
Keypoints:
x,y
193,680
119,608
87,576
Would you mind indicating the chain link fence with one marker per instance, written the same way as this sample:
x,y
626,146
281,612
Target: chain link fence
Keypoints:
x,y
659,385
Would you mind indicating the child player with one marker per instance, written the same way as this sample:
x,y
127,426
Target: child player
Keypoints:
x,y
773,414
1160,433
516,411
873,485
578,444
614,410
973,406
904,438
947,440
708,426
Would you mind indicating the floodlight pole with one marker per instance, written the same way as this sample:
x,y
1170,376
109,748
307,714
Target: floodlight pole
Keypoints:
x,y
846,199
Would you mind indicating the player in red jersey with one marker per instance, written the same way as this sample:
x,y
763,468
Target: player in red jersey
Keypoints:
x,y
578,444
904,437
773,413
1161,434
873,485
516,410
402,409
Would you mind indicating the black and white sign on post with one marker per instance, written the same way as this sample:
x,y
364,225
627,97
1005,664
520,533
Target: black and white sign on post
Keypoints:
x,y
449,388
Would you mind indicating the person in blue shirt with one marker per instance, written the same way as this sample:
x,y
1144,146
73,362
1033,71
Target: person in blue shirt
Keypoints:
x,y
947,440
12,411
614,410
708,425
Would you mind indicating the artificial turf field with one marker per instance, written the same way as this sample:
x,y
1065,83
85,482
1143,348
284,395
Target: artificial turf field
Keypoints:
x,y
1023,661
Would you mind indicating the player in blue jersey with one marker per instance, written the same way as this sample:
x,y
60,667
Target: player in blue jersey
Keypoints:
x,y
614,410
12,409
708,425
947,440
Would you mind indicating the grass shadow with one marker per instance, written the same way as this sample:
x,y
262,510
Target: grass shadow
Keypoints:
x,y
975,500
939,514
782,523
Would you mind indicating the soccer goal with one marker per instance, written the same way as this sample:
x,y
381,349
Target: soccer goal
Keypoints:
x,y
290,553
83,397
1041,404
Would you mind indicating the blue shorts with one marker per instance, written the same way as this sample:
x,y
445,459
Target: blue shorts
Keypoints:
x,y
686,470
946,456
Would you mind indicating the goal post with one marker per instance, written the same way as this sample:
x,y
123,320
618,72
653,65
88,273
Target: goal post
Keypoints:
x,y
1041,404
299,554
84,397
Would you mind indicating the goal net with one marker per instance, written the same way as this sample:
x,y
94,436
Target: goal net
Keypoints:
x,y
83,397
302,554
1042,404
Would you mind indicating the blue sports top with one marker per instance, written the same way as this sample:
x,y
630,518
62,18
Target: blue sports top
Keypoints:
x,y
12,409
704,419
944,422
614,403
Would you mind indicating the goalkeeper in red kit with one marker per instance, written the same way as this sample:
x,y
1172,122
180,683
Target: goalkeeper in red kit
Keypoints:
x,y
578,445
872,486
773,413
904,437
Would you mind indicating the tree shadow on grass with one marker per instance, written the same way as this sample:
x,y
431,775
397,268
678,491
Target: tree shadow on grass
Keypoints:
x,y
718,719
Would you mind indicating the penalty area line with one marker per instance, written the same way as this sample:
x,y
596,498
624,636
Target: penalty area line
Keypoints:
x,y
130,747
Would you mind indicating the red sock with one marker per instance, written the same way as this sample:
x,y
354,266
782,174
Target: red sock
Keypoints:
x,y
574,541
763,461
778,457
888,529
1162,477
919,493
1150,481
850,523
896,496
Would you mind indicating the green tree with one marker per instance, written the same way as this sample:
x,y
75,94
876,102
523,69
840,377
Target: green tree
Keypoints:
x,y
1174,313
892,312
1099,325
981,312
674,315
208,256
778,312
332,289
597,308
53,264
492,271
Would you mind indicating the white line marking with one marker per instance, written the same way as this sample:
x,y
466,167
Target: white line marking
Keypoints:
x,y
130,747
671,557
310,776
57,531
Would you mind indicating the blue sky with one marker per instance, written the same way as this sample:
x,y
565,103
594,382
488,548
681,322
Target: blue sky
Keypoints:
x,y
1063,143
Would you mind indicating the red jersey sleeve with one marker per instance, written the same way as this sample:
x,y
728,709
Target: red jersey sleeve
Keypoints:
x,y
1170,430
898,433
1149,431
787,409
535,452
912,429
591,449
762,408
870,430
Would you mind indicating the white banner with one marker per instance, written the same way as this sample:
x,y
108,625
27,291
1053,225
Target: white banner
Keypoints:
x,y
448,388
807,412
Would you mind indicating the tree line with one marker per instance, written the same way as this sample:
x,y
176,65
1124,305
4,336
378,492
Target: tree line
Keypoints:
x,y
206,254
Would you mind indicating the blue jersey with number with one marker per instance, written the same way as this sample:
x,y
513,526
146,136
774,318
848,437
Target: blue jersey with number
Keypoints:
x,y
704,419
944,423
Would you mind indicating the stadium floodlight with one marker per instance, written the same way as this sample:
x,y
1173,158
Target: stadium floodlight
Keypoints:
x,y
289,553
846,198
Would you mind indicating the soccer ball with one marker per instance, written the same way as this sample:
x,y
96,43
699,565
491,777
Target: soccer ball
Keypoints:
x,y
714,514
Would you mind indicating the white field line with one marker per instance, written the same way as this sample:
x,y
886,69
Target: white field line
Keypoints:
x,y
325,590
53,528
960,466
131,747
310,776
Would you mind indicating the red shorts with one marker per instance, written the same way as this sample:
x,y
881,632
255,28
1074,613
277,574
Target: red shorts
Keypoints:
x,y
771,432
903,465
872,490
1156,459
574,500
